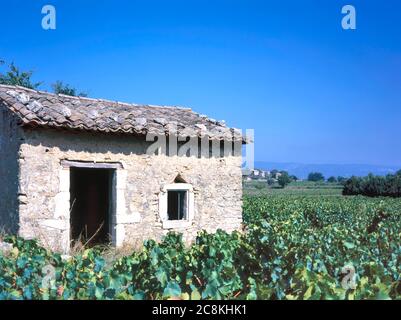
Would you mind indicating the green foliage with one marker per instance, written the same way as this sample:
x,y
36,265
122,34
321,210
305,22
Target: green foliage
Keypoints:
x,y
315,176
258,185
284,179
374,186
270,181
60,87
332,180
15,77
292,248
303,244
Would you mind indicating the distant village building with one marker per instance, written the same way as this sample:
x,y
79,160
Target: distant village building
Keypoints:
x,y
73,167
255,174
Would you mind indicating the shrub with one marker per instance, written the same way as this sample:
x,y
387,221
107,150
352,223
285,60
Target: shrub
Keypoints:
x,y
374,186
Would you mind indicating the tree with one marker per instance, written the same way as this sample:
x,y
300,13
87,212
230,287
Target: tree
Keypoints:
x,y
341,180
270,181
294,178
374,186
15,77
315,176
283,179
60,87
352,186
332,180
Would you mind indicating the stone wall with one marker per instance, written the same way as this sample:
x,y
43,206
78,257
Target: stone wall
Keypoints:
x,y
10,135
43,181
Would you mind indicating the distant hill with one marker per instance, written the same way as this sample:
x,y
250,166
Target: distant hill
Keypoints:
x,y
346,170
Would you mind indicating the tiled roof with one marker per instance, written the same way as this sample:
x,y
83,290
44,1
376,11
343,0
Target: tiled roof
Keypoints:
x,y
42,109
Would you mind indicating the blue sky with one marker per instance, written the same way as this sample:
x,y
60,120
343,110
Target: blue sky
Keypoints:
x,y
313,92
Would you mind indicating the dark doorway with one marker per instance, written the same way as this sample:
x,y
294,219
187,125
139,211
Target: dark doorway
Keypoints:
x,y
90,203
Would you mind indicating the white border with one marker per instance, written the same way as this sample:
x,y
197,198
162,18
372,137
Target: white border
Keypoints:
x,y
176,224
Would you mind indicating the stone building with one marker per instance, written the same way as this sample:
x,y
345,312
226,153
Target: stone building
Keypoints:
x,y
74,168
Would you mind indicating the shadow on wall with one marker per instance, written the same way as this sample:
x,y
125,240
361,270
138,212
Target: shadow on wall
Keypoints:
x,y
126,144
10,142
82,141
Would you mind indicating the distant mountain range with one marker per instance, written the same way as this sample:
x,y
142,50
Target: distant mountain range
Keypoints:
x,y
345,170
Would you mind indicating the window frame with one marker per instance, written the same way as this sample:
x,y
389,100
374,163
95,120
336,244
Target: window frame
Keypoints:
x,y
163,204
182,203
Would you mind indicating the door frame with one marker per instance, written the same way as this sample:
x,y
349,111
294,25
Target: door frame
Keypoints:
x,y
115,195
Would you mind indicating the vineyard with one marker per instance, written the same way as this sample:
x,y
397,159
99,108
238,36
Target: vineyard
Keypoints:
x,y
291,248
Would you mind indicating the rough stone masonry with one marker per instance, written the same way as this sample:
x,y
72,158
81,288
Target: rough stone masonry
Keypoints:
x,y
44,137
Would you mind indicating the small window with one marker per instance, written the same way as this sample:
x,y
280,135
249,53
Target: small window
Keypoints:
x,y
177,204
